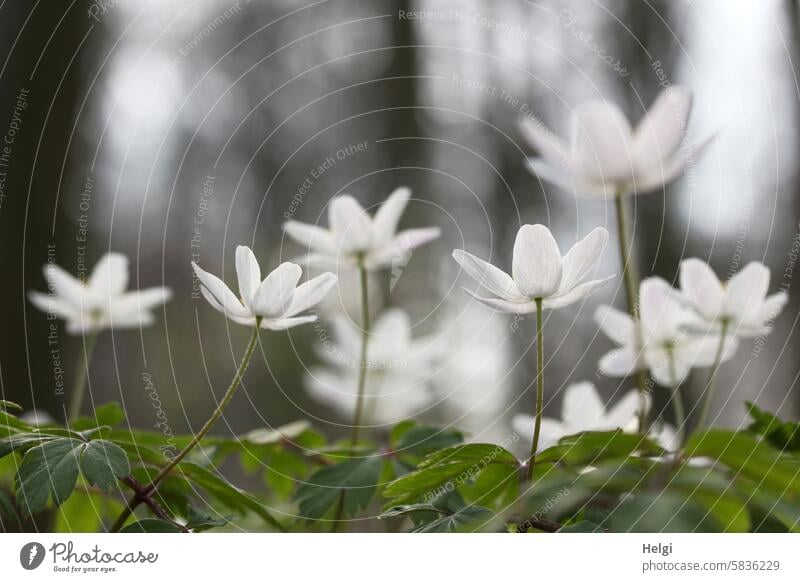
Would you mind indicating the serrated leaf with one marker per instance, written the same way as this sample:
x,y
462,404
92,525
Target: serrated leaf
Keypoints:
x,y
48,470
355,480
661,512
783,435
103,462
151,526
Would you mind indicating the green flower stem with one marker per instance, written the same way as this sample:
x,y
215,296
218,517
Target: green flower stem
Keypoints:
x,y
708,393
362,365
215,416
537,427
81,374
631,285
677,403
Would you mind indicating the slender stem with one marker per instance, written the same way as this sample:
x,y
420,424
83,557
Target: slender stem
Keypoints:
x,y
215,416
81,374
362,364
677,402
537,427
708,393
631,284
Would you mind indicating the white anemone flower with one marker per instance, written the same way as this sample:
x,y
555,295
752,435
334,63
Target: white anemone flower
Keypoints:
x,y
277,300
668,350
355,239
398,369
101,302
741,304
581,410
607,158
538,271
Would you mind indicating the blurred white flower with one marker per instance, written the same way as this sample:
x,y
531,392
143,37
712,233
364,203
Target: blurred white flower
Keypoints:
x,y
606,157
539,271
277,300
668,350
102,301
398,369
355,239
741,304
581,410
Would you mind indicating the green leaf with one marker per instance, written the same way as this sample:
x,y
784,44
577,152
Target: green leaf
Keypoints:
x,y
448,469
48,470
660,513
227,494
103,462
353,480
85,511
746,456
715,493
110,414
466,518
200,520
424,440
22,440
150,526
587,448
783,435
9,519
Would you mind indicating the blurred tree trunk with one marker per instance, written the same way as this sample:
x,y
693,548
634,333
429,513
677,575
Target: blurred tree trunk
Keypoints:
x,y
46,71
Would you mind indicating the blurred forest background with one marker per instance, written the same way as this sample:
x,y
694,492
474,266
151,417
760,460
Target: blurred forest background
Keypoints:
x,y
174,131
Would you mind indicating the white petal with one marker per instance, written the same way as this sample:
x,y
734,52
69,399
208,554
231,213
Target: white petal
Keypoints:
x,y
582,408
575,294
747,290
110,276
619,363
398,252
390,337
662,312
140,301
623,411
310,293
53,304
661,368
536,265
772,306
615,324
602,143
701,287
310,236
325,261
286,323
490,277
570,182
503,305
66,286
223,298
248,274
580,259
387,217
661,130
665,171
350,224
274,295
551,147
